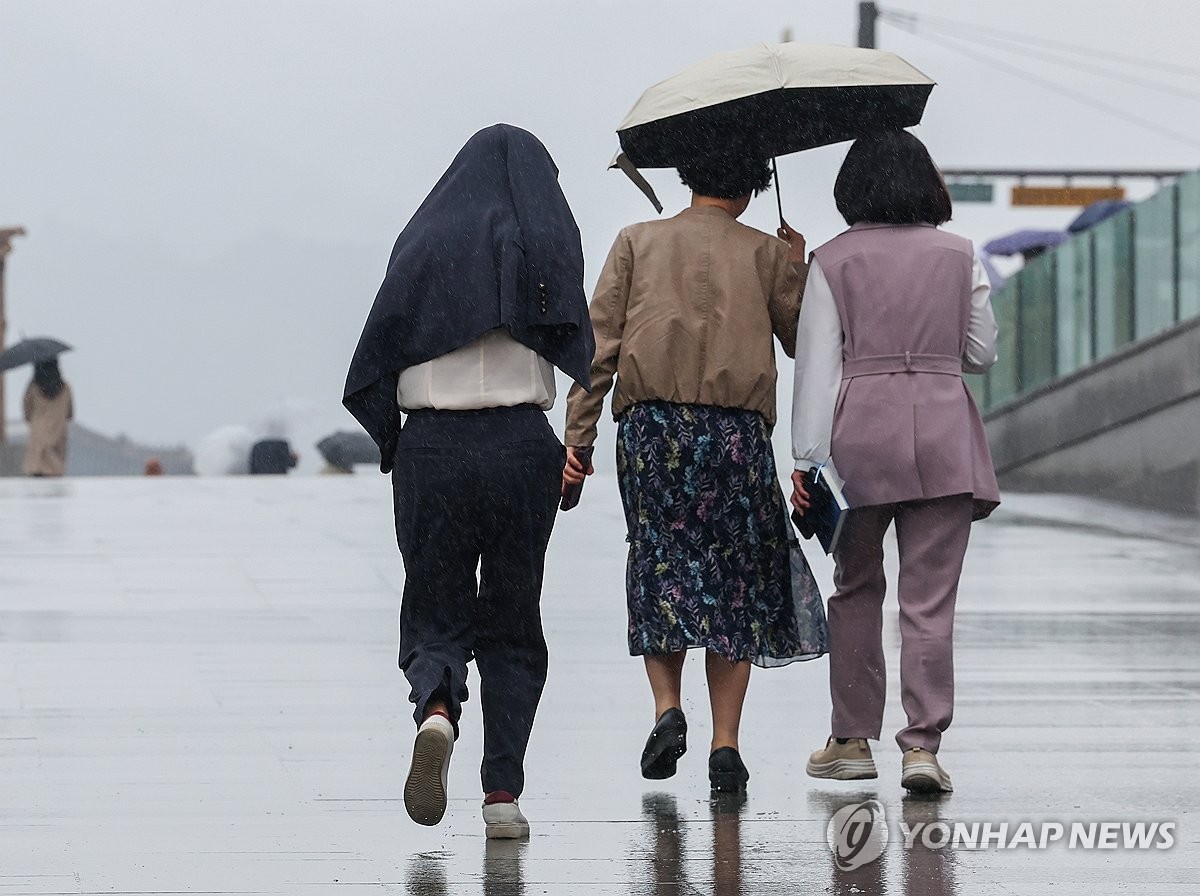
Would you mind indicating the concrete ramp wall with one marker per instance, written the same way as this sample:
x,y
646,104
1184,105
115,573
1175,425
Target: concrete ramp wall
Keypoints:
x,y
1127,427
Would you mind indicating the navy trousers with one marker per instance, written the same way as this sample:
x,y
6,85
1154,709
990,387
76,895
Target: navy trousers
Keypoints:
x,y
475,496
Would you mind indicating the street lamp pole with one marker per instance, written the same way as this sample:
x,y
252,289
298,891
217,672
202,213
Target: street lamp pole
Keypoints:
x,y
6,237
868,13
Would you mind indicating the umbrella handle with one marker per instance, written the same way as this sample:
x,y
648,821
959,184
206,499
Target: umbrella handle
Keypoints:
x,y
778,198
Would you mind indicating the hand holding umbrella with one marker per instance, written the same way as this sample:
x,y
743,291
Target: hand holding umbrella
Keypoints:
x,y
795,241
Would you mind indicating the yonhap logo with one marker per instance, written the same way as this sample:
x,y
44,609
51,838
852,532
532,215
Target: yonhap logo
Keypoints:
x,y
857,834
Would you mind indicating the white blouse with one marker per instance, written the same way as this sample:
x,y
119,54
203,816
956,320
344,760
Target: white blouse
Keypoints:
x,y
819,360
494,371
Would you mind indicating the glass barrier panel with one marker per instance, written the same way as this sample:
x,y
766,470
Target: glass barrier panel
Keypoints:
x,y
1154,263
1002,377
1036,319
1189,246
1112,254
1074,288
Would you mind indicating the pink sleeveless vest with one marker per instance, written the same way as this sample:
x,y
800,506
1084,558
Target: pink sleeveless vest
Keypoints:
x,y
905,426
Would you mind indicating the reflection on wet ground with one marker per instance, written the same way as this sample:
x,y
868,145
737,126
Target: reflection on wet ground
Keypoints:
x,y
666,874
198,693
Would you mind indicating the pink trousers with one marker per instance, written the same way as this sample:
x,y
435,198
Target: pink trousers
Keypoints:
x,y
932,537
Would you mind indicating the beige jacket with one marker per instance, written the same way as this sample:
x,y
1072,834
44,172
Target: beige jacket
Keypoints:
x,y
46,450
684,311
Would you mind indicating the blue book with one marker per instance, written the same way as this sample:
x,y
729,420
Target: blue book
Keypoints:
x,y
827,508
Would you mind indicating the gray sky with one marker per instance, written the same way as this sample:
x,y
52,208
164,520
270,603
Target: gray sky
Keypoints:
x,y
211,189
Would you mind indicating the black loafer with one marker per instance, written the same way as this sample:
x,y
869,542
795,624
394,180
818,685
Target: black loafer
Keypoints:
x,y
726,771
666,743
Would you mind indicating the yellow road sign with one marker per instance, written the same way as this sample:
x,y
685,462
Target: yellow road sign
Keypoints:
x,y
1022,195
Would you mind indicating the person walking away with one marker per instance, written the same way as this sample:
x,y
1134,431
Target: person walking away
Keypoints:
x,y
49,408
895,311
483,297
684,313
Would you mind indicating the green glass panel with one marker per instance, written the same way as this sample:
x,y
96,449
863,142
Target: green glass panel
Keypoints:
x,y
1114,283
1074,313
1036,320
1002,378
1189,246
1154,263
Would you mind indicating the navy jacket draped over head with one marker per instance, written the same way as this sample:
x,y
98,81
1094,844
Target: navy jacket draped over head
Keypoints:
x,y
493,245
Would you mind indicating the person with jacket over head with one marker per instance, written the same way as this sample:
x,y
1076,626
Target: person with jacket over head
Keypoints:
x,y
49,408
482,299
685,312
895,311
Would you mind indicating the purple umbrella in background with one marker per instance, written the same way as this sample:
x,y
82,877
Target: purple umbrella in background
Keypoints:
x,y
994,276
1026,242
1097,212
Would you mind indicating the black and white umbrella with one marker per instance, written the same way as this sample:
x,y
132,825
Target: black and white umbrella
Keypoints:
x,y
770,100
31,351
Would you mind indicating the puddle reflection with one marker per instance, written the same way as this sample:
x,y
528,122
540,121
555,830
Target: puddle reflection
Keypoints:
x,y
502,871
426,875
870,879
927,872
683,856
669,847
917,871
727,843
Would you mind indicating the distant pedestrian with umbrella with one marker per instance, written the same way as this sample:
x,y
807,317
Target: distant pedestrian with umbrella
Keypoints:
x,y
343,450
48,404
895,311
49,408
685,312
482,299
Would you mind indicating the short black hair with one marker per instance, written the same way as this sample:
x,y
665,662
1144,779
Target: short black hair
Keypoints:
x,y
889,178
726,175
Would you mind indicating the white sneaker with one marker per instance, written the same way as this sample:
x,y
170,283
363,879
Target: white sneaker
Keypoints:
x,y
425,789
504,821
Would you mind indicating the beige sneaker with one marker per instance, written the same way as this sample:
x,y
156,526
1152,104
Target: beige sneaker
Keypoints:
x,y
922,774
850,761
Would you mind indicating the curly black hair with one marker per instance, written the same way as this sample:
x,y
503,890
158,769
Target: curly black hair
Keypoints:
x,y
726,176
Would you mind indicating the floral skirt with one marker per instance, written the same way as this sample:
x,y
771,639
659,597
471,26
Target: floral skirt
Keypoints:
x,y
708,534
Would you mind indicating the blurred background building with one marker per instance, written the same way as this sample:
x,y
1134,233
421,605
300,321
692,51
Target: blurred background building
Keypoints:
x,y
90,453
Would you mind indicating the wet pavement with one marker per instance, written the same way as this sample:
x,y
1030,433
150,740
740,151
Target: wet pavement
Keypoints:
x,y
198,694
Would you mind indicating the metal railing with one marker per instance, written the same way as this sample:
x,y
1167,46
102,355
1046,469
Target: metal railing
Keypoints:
x,y
1124,280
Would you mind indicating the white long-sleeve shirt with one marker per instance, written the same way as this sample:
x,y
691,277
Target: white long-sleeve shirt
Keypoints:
x,y
494,371
819,360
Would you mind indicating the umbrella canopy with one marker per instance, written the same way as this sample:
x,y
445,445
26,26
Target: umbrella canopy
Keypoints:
x,y
770,100
345,449
1021,241
1097,212
994,276
31,351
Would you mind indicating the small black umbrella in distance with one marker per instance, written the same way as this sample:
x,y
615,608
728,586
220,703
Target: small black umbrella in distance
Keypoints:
x,y
770,100
32,351
344,449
